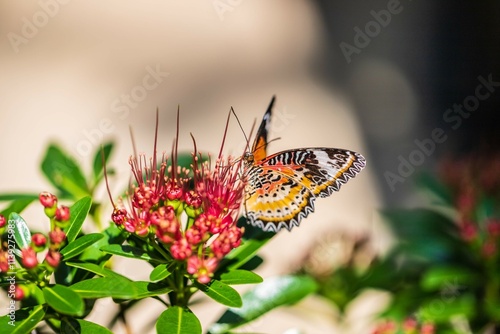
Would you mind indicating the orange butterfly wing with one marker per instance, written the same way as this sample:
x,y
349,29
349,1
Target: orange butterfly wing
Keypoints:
x,y
282,188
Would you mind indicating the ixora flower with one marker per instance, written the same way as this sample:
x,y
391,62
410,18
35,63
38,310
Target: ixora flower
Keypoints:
x,y
191,212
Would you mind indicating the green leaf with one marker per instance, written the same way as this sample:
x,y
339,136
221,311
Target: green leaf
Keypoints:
x,y
79,245
442,309
16,206
147,289
161,272
425,233
253,239
64,300
78,213
35,296
24,320
18,197
176,320
18,202
130,252
430,183
118,288
97,169
104,287
445,277
80,326
22,233
94,268
112,235
239,277
221,293
273,292
62,171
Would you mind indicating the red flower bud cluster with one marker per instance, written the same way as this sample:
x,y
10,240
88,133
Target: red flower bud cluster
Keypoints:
x,y
56,237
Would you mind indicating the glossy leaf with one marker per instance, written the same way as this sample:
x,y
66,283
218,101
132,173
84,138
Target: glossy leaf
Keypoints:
x,y
445,307
161,272
424,233
112,235
22,233
79,245
437,189
18,202
239,277
64,300
144,289
130,252
104,287
176,320
273,292
80,326
62,171
78,213
221,293
23,321
35,296
94,268
444,277
116,287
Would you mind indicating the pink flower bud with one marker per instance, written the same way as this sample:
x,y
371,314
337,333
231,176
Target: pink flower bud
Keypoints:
x,y
3,221
57,236
489,249
28,258
47,199
428,328
62,213
468,231
4,262
39,241
19,293
493,228
53,258
181,249
174,192
119,216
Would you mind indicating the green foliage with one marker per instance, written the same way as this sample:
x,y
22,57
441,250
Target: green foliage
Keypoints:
x,y
274,292
84,272
444,265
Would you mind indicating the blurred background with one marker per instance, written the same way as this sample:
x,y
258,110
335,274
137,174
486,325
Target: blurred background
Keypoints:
x,y
402,82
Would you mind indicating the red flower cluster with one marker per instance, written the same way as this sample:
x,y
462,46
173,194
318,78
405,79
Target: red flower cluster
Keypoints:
x,y
192,212
475,184
409,326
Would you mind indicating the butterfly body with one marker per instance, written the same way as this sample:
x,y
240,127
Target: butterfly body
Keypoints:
x,y
281,188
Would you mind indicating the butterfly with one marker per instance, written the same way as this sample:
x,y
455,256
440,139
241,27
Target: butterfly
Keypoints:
x,y
281,188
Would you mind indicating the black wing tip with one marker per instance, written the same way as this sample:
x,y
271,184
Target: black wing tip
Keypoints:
x,y
271,104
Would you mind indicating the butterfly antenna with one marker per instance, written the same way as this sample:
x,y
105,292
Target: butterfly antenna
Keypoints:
x,y
247,146
225,134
